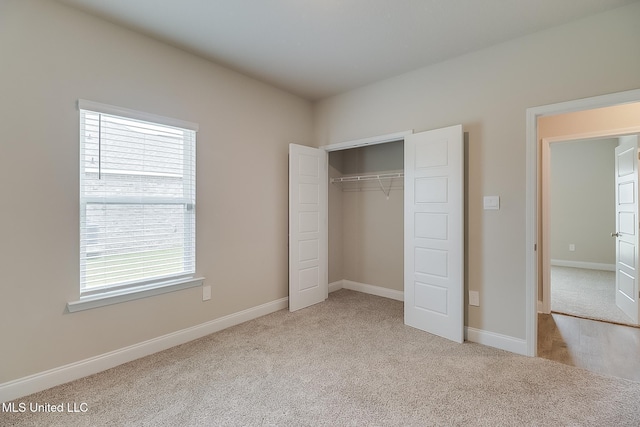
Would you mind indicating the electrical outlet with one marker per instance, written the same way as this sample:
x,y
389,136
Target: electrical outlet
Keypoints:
x,y
491,202
572,247
474,298
206,293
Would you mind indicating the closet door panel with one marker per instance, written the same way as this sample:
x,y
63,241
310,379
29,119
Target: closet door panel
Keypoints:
x,y
431,190
308,275
434,232
432,298
431,225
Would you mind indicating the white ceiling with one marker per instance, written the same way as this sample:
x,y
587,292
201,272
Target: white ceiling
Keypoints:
x,y
318,48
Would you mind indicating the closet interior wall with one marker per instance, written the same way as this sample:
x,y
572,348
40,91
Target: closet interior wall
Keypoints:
x,y
366,219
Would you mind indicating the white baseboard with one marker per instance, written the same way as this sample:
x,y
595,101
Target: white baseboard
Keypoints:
x,y
335,286
542,309
43,380
33,383
492,339
373,290
581,264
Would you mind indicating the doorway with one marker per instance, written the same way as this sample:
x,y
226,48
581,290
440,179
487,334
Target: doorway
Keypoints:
x,y
582,252
623,117
366,219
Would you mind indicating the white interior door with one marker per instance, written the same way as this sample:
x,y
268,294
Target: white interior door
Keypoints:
x,y
434,232
308,237
626,171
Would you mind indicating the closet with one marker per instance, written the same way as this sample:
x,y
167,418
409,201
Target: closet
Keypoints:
x,y
366,196
384,213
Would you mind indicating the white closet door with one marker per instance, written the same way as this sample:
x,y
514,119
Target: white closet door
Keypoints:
x,y
434,232
628,241
308,237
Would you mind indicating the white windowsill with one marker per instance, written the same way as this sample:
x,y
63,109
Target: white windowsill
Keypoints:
x,y
115,297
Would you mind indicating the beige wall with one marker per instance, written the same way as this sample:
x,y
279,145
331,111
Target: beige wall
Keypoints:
x,y
488,92
51,56
582,210
590,123
373,238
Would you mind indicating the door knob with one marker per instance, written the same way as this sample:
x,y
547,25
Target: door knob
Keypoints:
x,y
615,234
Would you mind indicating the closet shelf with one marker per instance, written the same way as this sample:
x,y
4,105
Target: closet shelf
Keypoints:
x,y
359,181
357,178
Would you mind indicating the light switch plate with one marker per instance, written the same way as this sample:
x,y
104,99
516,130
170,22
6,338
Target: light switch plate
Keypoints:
x,y
491,202
206,293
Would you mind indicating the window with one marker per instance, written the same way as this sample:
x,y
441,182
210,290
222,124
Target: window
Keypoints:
x,y
137,200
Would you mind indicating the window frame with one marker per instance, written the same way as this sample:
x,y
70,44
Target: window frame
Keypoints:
x,y
134,289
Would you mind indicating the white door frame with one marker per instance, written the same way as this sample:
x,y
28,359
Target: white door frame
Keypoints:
x,y
381,139
533,193
374,140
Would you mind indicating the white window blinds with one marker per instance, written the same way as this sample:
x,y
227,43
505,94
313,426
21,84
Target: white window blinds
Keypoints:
x,y
137,199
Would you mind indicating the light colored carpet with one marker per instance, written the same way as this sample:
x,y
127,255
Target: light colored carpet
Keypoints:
x,y
586,293
349,361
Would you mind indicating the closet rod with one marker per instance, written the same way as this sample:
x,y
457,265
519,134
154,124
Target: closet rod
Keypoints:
x,y
367,177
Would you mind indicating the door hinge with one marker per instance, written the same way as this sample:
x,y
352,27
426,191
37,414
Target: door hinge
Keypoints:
x,y
535,247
